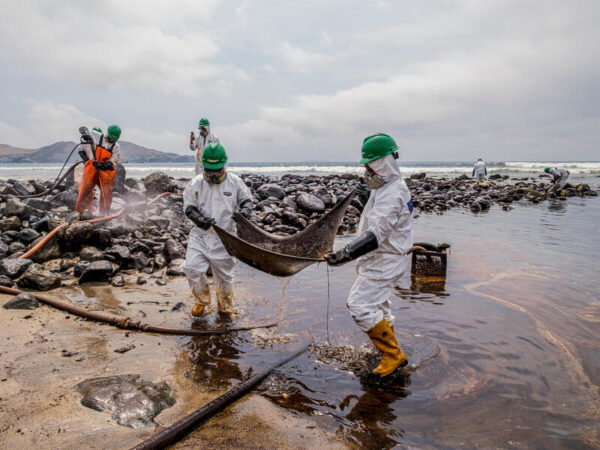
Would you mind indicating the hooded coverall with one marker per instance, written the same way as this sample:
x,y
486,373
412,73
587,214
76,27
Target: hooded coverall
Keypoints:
x,y
388,215
198,144
205,248
105,151
479,171
560,177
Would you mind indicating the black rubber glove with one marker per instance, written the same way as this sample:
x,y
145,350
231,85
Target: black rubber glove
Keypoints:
x,y
106,165
245,210
199,218
360,246
83,155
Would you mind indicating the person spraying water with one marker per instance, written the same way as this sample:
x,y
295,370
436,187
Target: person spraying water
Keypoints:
x,y
101,155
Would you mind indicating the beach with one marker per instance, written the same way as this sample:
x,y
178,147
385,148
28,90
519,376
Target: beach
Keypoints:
x,y
506,347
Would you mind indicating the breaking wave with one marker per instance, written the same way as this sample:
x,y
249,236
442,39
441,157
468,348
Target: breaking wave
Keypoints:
x,y
454,168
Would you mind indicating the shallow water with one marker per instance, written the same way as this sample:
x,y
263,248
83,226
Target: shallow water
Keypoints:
x,y
507,348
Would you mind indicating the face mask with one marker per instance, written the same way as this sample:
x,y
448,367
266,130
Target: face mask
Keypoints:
x,y
215,177
203,131
373,180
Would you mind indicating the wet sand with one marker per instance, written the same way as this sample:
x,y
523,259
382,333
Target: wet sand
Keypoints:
x,y
38,406
508,347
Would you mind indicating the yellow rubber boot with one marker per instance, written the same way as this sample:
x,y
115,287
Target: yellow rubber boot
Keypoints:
x,y
202,299
225,302
392,355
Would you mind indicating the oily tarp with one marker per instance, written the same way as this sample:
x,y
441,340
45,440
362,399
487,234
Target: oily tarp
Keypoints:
x,y
284,255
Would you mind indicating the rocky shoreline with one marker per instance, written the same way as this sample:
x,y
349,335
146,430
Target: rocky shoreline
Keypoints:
x,y
147,243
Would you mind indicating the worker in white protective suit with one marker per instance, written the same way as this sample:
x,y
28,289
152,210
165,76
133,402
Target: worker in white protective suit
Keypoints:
x,y
479,170
197,144
212,197
385,236
559,178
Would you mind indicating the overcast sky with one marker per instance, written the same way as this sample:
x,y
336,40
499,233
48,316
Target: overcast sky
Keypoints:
x,y
300,80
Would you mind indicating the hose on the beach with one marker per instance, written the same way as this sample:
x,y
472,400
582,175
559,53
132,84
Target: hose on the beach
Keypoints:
x,y
125,322
56,183
183,427
33,250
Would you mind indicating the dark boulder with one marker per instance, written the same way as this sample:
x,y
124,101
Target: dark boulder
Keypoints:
x,y
158,182
120,253
270,190
98,271
15,207
159,221
80,267
38,278
38,203
13,268
91,254
49,251
120,175
28,235
175,268
309,202
5,281
23,188
418,176
77,233
9,223
174,250
22,301
3,250
41,225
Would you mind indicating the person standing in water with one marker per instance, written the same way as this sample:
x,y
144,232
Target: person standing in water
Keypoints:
x,y
197,144
559,178
385,236
479,170
210,198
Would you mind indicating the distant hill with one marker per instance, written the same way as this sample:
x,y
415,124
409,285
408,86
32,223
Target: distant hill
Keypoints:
x,y
58,152
6,150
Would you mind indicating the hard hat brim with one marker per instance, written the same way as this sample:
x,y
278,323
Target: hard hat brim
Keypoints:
x,y
213,166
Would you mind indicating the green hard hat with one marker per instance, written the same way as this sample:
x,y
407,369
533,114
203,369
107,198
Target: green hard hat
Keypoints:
x,y
547,169
214,156
203,123
114,132
377,146
99,130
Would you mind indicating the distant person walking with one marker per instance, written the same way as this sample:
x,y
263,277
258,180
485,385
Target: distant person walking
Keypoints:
x,y
559,178
101,155
479,170
197,144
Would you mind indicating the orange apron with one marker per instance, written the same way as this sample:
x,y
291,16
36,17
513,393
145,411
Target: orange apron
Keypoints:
x,y
85,199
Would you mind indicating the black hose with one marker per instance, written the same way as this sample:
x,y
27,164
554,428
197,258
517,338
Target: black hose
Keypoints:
x,y
63,166
183,427
128,324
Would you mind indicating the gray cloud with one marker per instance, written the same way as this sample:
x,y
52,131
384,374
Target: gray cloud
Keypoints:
x,y
301,80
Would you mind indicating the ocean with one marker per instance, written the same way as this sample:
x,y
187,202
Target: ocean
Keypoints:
x,y
578,169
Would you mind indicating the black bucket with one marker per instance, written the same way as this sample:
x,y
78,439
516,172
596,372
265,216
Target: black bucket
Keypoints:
x,y
432,263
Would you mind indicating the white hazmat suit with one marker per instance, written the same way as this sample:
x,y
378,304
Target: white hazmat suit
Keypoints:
x,y
198,145
479,171
205,248
560,177
388,215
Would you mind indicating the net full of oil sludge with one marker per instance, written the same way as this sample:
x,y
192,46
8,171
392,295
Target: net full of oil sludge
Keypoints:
x,y
504,349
